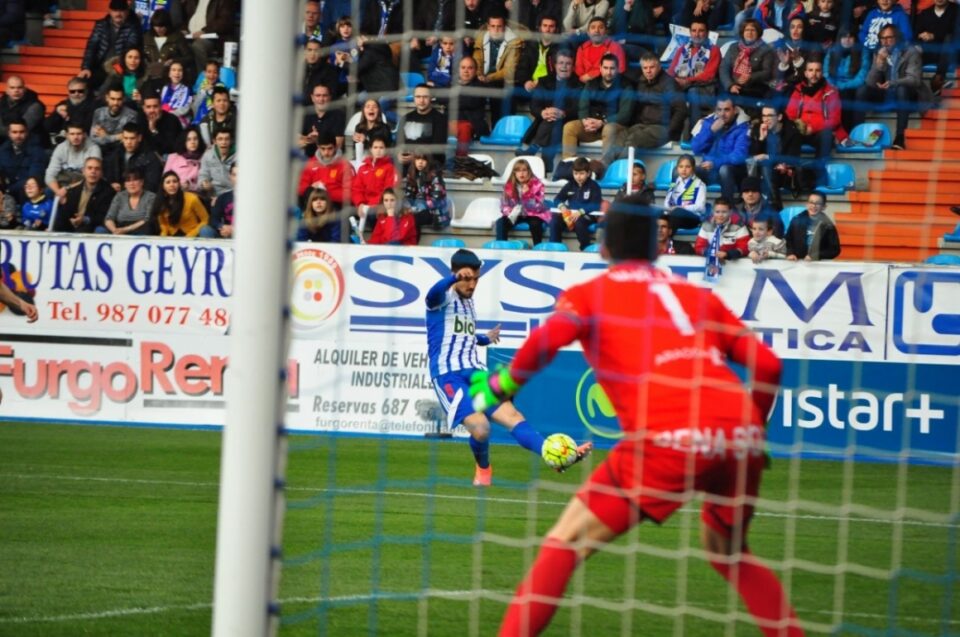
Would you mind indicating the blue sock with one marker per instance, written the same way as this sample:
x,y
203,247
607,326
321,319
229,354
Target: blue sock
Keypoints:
x,y
528,437
481,452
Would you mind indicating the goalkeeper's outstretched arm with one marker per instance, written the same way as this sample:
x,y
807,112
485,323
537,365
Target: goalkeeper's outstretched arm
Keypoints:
x,y
490,388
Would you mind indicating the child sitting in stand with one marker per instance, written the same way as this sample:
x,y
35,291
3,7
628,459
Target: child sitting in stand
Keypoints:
x,y
579,202
687,192
321,223
440,66
203,90
394,227
425,193
638,183
375,175
764,244
734,238
37,207
344,50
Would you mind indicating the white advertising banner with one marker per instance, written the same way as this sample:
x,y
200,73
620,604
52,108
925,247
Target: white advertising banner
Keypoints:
x,y
135,330
122,285
141,379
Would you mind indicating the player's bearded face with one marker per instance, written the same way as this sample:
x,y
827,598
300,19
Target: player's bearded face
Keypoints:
x,y
467,283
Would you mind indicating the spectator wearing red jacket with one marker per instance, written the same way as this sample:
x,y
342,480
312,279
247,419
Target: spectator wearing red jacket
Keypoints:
x,y
590,53
814,107
329,170
375,175
734,238
394,226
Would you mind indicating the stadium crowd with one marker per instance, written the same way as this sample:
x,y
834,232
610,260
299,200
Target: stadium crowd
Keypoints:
x,y
144,140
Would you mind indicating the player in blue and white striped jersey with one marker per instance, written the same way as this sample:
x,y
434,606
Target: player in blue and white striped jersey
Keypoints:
x,y
452,342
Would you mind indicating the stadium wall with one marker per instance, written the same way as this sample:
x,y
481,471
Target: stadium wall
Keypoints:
x,y
134,331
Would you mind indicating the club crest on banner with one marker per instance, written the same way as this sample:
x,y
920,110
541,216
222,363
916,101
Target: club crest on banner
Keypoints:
x,y
318,287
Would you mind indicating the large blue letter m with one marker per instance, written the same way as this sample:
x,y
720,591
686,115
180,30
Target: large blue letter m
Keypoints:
x,y
852,280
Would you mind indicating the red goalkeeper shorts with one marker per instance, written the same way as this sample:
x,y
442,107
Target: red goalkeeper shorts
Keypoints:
x,y
651,479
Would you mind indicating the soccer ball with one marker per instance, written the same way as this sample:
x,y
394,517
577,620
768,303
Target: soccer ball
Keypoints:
x,y
559,451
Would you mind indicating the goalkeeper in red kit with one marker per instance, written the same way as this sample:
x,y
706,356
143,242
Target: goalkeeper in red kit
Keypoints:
x,y
659,346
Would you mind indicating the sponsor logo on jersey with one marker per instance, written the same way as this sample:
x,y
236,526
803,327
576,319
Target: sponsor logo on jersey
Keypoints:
x,y
463,325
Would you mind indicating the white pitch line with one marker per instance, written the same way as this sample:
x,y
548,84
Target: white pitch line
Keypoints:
x,y
106,614
471,497
433,593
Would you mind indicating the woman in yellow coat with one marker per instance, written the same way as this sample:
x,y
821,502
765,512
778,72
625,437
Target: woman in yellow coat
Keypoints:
x,y
177,213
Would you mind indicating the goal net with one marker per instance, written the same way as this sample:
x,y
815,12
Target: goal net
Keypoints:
x,y
383,532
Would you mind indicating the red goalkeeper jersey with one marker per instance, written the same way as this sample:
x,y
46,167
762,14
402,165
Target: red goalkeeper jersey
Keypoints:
x,y
659,347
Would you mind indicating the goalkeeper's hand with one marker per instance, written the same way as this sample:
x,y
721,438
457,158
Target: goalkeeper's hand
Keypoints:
x,y
491,388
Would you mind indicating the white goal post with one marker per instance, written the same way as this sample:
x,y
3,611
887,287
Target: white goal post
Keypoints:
x,y
250,510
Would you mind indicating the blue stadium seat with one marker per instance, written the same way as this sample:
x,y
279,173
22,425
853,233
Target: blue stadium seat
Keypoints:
x,y
508,131
228,76
617,174
862,133
593,247
788,213
943,259
551,246
449,243
410,81
664,178
930,69
510,244
954,236
523,225
689,232
840,178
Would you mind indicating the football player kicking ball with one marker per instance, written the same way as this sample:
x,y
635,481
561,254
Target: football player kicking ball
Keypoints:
x,y
452,349
659,347
8,298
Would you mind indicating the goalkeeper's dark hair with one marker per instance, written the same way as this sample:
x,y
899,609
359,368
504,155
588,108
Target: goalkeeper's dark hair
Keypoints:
x,y
465,259
630,228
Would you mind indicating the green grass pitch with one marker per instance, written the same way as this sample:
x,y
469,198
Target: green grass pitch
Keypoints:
x,y
111,531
